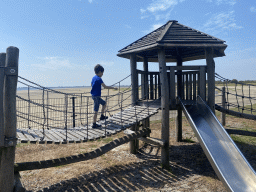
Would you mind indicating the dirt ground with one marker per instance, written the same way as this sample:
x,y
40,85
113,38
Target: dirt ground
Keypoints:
x,y
119,170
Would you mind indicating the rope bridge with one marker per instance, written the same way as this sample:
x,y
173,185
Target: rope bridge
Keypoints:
x,y
239,98
46,115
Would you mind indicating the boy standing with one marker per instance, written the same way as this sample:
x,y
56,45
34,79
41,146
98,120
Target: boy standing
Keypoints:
x,y
96,94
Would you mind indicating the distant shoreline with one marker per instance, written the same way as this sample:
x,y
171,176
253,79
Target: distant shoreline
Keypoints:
x,y
69,87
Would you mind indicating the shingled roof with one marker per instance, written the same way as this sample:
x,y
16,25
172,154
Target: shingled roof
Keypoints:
x,y
174,36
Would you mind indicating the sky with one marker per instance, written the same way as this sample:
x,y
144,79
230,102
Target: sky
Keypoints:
x,y
60,41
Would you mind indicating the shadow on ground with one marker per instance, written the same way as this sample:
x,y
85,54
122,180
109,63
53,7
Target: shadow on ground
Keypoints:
x,y
188,163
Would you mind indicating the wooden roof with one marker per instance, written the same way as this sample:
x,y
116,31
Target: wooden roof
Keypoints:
x,y
177,39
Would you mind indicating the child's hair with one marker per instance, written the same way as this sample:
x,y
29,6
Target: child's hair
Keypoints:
x,y
98,68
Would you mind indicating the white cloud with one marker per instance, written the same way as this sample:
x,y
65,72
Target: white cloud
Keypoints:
x,y
253,9
221,22
158,6
153,27
53,63
90,1
219,2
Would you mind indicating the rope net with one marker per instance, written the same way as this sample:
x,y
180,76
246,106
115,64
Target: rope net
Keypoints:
x,y
240,97
40,107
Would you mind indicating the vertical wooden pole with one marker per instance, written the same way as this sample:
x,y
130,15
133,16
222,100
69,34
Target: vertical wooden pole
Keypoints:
x,y
146,122
180,93
172,88
2,64
8,155
202,83
165,107
134,82
223,115
211,78
145,68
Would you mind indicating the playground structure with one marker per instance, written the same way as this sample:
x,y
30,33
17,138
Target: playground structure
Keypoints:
x,y
190,89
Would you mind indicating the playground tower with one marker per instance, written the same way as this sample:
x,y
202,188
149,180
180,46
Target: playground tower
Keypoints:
x,y
177,43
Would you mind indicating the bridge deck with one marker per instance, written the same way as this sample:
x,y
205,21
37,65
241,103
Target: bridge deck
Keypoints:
x,y
116,123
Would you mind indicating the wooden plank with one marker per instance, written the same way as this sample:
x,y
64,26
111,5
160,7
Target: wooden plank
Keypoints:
x,y
203,83
186,86
194,86
40,134
190,86
56,133
159,88
21,136
151,86
83,132
50,136
34,134
29,136
156,86
172,88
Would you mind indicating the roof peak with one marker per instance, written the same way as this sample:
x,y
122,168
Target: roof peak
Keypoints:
x,y
175,21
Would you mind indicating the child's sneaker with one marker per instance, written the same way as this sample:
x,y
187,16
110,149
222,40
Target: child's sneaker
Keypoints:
x,y
102,117
94,125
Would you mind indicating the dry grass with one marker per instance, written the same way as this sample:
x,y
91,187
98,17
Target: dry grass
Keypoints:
x,y
118,170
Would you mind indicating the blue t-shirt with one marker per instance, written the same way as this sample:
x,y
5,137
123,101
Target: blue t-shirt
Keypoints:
x,y
96,86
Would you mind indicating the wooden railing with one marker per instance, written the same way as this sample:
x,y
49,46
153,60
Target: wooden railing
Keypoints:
x,y
193,83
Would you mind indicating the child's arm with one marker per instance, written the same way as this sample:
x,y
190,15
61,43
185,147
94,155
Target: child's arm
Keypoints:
x,y
108,87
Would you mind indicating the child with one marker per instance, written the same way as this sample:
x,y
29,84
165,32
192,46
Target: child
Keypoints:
x,y
96,93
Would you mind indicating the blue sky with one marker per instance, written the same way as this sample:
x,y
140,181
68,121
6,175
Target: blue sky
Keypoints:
x,y
60,41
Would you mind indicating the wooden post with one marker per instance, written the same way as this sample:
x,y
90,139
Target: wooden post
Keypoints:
x,y
211,78
2,64
223,115
165,107
202,83
134,78
172,88
8,153
134,81
180,93
146,122
145,68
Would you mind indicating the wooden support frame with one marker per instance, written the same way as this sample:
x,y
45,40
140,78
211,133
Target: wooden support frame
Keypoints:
x,y
8,151
164,107
223,115
202,84
134,144
145,68
180,91
151,140
211,78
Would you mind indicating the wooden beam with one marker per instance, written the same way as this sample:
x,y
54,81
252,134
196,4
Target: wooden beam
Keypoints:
x,y
2,64
151,140
10,119
135,96
81,157
145,68
180,93
165,107
134,78
211,78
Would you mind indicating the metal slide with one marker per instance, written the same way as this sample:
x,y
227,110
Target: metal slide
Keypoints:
x,y
226,159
